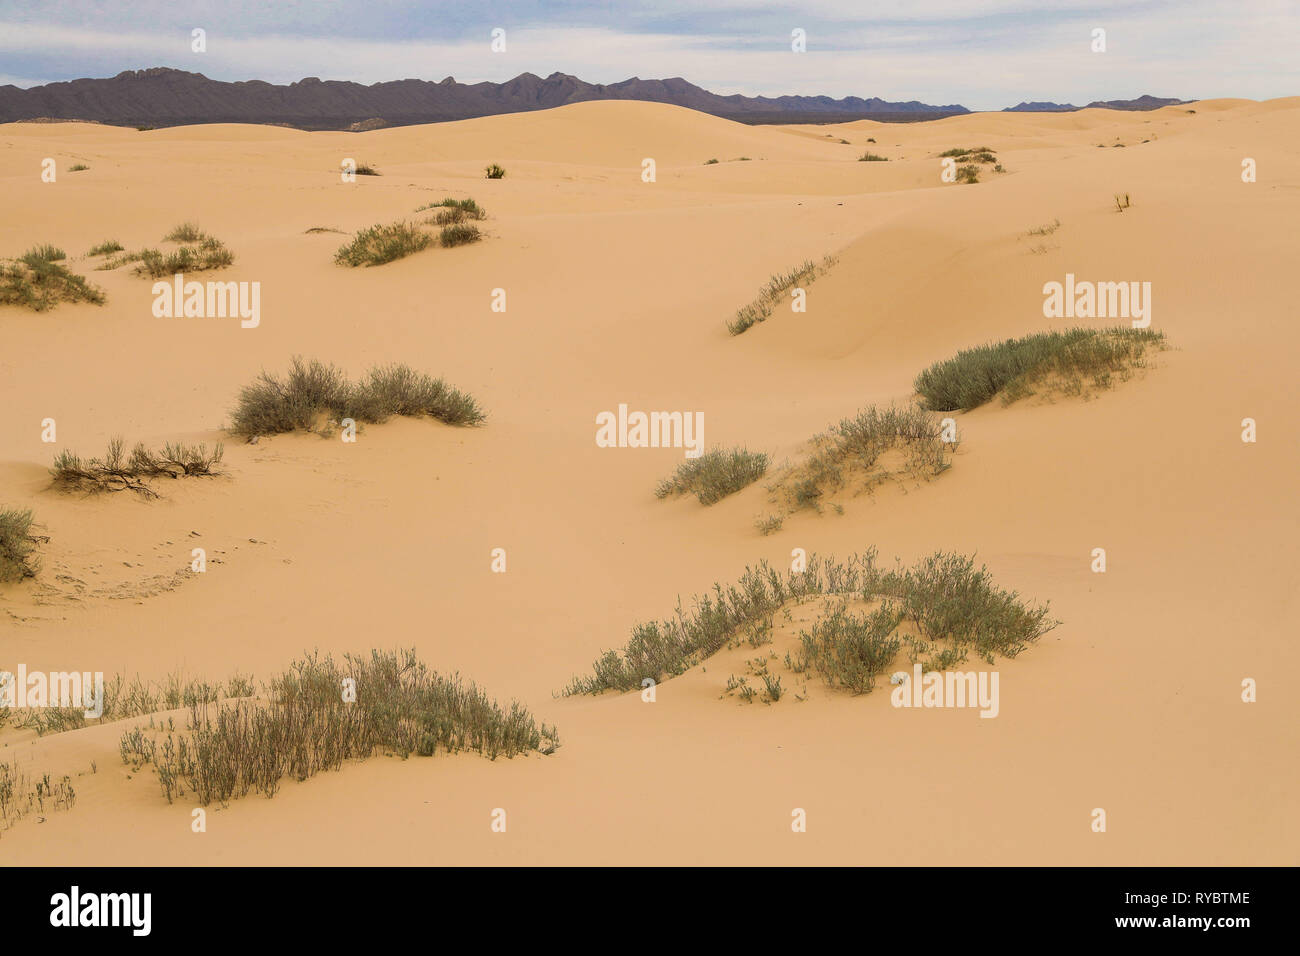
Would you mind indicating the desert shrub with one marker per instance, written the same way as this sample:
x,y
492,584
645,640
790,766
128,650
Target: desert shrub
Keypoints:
x,y
856,445
117,471
454,210
208,254
17,546
459,234
869,157
185,232
380,244
494,172
40,283
43,253
312,391
305,727
710,162
78,168
1046,229
714,475
968,174
366,169
954,608
772,293
1068,361
1122,202
20,796
105,248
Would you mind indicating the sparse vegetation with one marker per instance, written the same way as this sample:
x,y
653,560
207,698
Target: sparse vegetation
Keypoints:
x,y
1015,368
494,171
714,475
451,211
1121,202
871,158
17,546
117,471
105,248
313,392
39,282
873,446
185,232
315,229
775,290
968,174
710,162
208,254
380,244
305,727
365,169
1045,230
19,796
950,609
459,234
78,168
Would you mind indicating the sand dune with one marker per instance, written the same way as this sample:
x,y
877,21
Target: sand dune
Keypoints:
x,y
619,292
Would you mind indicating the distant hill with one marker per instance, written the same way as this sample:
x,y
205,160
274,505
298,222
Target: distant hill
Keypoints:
x,y
166,97
1145,102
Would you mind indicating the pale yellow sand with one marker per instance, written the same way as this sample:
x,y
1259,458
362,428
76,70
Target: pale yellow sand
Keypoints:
x,y
619,291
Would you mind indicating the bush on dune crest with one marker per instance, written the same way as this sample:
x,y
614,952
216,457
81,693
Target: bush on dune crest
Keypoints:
x,y
953,607
304,727
714,475
39,282
313,390
1015,368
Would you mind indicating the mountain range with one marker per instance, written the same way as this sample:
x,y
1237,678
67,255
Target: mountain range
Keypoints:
x,y
162,96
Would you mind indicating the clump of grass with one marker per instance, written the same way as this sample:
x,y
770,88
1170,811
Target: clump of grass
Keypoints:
x,y
135,699
365,169
313,392
710,162
451,211
118,471
44,253
17,546
714,475
856,447
305,727
1045,230
105,248
38,282
968,174
459,234
20,796
380,244
78,168
185,232
208,254
314,229
1017,367
869,157
777,286
871,139
672,646
494,171
951,610
1121,202
770,524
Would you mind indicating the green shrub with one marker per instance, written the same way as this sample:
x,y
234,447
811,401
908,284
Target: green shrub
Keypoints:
x,y
312,391
185,232
1064,361
460,234
305,727
380,244
43,253
208,254
104,248
775,290
40,283
494,172
17,546
872,158
714,475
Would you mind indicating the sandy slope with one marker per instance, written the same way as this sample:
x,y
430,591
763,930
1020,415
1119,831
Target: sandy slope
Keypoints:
x,y
619,292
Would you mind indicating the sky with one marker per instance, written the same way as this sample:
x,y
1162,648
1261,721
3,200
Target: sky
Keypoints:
x,y
983,55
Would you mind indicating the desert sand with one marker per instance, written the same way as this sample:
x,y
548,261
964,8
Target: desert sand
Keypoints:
x,y
619,292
